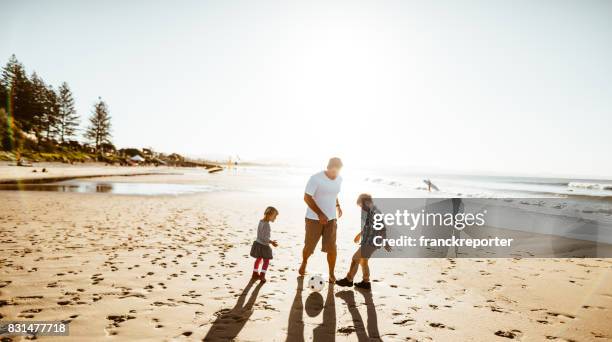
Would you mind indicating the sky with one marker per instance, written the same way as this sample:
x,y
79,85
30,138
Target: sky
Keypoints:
x,y
497,87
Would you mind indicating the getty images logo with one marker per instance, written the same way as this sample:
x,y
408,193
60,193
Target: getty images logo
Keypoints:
x,y
411,220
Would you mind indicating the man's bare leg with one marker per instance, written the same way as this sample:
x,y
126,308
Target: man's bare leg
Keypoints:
x,y
305,256
331,263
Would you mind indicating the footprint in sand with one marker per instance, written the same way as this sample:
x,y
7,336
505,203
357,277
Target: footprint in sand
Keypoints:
x,y
404,322
600,335
593,307
117,319
440,326
28,313
495,287
556,338
511,334
560,315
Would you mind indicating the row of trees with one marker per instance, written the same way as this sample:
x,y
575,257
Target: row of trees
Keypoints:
x,y
47,113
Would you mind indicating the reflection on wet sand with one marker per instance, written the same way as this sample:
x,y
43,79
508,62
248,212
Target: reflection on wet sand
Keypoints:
x,y
110,187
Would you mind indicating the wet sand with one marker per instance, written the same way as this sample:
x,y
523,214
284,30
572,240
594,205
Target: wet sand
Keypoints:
x,y
59,171
177,268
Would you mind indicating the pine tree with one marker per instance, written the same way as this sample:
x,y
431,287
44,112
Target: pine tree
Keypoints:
x,y
68,120
39,95
44,108
99,128
3,96
50,117
20,92
6,129
11,71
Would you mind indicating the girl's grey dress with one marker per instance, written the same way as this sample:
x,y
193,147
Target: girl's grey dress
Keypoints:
x,y
261,247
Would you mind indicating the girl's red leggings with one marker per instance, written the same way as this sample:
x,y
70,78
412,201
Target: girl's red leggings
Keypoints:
x,y
264,267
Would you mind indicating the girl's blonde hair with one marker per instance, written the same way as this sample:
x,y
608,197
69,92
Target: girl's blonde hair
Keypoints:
x,y
270,211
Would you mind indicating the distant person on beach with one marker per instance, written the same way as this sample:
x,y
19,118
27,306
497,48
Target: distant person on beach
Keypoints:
x,y
261,250
367,248
321,197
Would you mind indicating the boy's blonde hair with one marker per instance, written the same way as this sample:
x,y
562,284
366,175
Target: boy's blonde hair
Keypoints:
x,y
270,211
364,198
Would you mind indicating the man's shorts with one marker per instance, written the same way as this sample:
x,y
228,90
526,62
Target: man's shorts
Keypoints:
x,y
315,230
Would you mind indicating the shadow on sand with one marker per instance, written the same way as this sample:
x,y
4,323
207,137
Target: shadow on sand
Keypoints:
x,y
230,322
326,330
367,332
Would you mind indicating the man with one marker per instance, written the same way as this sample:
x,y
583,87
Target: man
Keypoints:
x,y
321,197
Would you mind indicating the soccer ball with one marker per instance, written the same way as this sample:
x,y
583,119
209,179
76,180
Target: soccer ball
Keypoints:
x,y
316,283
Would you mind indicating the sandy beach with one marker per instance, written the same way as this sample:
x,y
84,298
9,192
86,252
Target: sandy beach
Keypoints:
x,y
177,268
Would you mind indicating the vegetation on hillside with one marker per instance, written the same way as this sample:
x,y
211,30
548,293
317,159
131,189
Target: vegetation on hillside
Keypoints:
x,y
39,122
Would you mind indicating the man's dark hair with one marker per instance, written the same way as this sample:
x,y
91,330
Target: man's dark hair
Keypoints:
x,y
334,162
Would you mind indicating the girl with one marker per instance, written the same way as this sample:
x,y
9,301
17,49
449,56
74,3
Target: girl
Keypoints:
x,y
260,250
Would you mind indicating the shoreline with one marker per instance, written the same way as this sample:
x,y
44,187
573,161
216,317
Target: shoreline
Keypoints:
x,y
57,172
43,180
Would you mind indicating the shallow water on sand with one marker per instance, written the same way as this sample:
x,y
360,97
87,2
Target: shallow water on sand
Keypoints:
x,y
149,189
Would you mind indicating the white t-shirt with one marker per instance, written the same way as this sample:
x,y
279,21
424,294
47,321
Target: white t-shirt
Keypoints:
x,y
324,191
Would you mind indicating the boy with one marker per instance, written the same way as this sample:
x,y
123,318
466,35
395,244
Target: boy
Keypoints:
x,y
363,253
